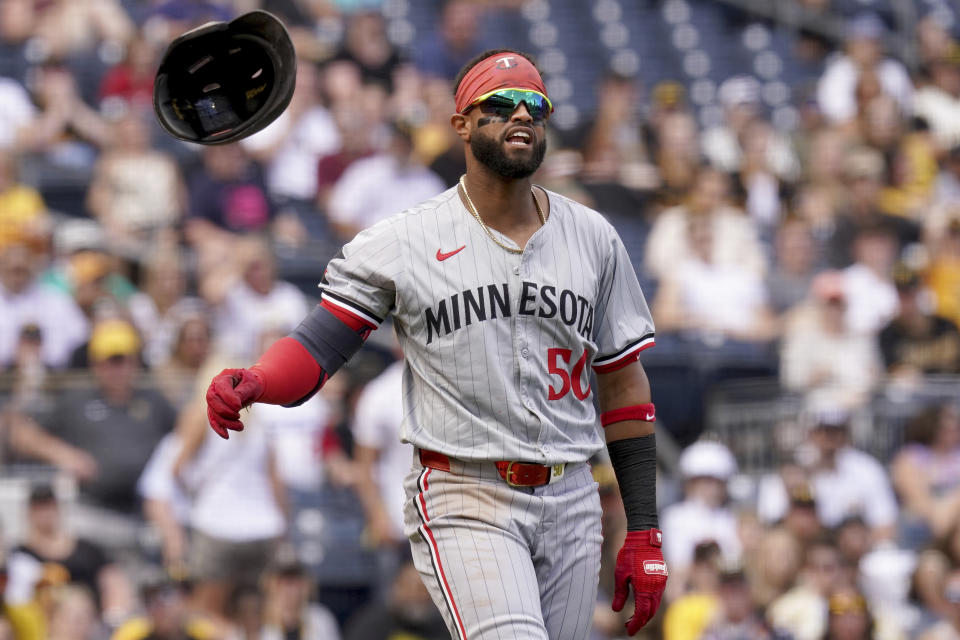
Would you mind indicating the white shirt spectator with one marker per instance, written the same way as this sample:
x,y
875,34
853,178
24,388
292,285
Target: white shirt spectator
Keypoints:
x,y
836,368
157,482
295,434
16,111
942,112
871,300
376,425
688,523
836,91
245,315
735,241
725,297
375,188
292,172
857,486
232,495
63,327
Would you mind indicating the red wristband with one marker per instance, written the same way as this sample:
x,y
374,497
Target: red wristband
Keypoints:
x,y
643,412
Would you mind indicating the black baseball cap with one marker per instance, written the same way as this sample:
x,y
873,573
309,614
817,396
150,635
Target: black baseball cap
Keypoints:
x,y
224,81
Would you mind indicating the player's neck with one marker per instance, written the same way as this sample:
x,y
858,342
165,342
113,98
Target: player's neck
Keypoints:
x,y
505,204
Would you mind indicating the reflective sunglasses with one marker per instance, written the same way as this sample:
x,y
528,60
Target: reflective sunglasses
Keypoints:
x,y
503,102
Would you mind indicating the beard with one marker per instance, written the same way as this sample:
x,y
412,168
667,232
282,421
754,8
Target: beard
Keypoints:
x,y
490,152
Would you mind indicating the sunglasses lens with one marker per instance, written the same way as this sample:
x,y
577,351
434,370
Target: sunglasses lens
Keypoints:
x,y
504,103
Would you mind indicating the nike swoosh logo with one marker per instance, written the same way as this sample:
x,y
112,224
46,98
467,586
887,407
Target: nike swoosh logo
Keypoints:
x,y
649,417
441,256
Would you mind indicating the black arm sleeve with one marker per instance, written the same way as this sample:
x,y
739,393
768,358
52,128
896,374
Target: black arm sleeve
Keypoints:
x,y
634,461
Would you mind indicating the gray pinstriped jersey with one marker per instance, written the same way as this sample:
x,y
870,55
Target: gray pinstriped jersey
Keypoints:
x,y
497,345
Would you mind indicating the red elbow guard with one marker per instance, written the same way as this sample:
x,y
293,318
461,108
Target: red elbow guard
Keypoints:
x,y
289,373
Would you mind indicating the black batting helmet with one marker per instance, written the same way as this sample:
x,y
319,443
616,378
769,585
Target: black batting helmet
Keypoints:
x,y
224,81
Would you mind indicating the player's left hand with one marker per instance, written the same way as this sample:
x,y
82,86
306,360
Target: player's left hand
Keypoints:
x,y
640,563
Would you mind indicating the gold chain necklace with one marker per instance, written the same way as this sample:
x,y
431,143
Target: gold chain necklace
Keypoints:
x,y
475,214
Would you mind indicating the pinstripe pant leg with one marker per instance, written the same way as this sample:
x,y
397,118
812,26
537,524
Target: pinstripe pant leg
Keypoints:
x,y
567,554
469,545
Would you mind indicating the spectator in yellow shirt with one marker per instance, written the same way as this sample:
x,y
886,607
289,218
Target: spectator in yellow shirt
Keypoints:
x,y
23,215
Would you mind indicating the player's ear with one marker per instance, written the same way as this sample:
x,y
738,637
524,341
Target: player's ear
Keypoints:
x,y
461,124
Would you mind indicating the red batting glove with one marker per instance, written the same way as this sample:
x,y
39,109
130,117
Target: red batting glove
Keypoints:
x,y
640,563
230,391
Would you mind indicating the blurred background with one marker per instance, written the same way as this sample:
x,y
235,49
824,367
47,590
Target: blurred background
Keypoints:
x,y
785,176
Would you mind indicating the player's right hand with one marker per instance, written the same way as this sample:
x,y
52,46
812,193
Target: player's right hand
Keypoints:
x,y
640,564
230,391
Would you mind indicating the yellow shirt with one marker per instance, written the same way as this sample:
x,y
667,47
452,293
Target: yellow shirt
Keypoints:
x,y
139,628
943,279
19,206
688,616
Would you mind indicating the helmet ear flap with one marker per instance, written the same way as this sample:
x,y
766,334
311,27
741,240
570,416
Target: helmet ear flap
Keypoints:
x,y
222,82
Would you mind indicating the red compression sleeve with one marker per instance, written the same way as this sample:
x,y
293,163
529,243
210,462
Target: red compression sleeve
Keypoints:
x,y
289,373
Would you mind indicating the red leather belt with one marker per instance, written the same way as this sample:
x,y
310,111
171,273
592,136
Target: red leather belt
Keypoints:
x,y
516,474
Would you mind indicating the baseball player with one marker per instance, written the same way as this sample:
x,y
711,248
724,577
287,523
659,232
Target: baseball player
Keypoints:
x,y
504,297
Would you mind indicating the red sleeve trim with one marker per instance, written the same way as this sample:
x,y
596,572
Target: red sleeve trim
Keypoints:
x,y
347,317
628,357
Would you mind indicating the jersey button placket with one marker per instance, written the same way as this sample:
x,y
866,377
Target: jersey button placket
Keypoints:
x,y
521,341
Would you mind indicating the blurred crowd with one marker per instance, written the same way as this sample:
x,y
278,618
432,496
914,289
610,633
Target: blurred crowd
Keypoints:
x,y
825,255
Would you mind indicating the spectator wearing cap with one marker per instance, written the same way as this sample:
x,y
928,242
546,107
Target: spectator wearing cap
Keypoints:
x,y
849,617
704,513
938,102
820,356
104,434
49,546
863,53
845,480
918,342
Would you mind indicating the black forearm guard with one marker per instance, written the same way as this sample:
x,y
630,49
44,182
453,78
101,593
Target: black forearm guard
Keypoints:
x,y
634,461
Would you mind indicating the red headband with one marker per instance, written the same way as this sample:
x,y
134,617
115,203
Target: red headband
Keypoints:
x,y
499,71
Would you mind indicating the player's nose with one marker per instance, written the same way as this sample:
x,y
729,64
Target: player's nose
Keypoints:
x,y
521,113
